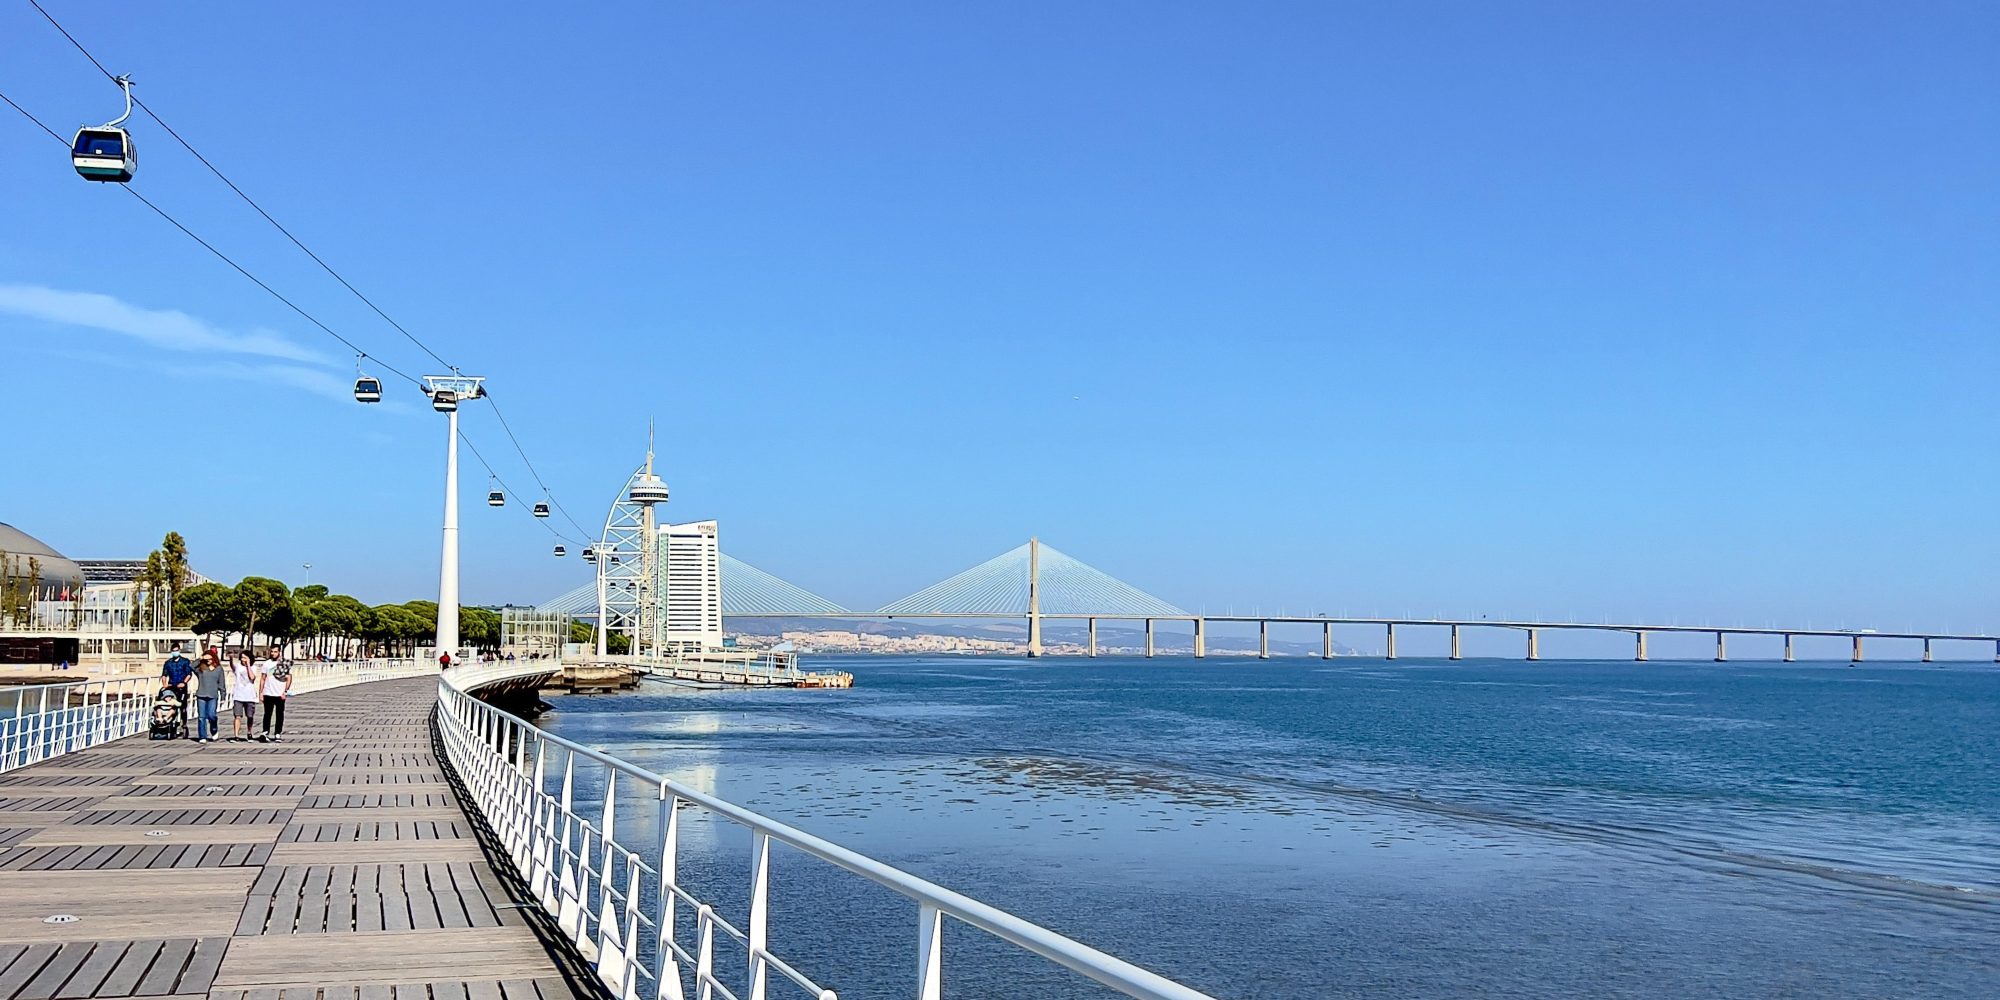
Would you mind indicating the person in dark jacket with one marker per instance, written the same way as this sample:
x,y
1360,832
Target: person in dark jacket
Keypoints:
x,y
174,675
208,679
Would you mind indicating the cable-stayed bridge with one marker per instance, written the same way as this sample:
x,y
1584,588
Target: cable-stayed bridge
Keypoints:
x,y
1038,583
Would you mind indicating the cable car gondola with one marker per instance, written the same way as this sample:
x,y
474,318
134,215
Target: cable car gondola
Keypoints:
x,y
560,552
589,556
105,152
541,510
494,498
367,390
444,401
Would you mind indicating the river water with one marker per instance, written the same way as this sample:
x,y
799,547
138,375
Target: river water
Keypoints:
x,y
1300,828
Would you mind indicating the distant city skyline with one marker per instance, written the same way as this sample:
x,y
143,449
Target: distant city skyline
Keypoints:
x,y
1534,312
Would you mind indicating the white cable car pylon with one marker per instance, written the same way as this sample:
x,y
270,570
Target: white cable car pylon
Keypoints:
x,y
105,152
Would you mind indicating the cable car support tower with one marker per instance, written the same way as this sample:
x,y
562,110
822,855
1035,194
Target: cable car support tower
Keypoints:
x,y
628,564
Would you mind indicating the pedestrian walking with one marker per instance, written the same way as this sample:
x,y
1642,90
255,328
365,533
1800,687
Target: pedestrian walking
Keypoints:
x,y
277,684
174,676
243,684
207,692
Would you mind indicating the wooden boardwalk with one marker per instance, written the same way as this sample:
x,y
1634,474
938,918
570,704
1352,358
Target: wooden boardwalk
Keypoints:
x,y
337,865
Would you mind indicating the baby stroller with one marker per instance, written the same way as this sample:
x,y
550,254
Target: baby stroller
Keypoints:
x,y
168,721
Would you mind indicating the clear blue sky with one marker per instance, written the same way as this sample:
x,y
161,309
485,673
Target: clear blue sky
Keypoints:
x,y
1666,310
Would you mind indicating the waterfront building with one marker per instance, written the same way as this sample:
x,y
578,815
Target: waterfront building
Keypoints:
x,y
690,586
55,609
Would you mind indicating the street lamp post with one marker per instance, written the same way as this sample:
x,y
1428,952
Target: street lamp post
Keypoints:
x,y
446,391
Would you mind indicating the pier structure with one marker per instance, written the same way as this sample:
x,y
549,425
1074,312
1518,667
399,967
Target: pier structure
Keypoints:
x,y
412,839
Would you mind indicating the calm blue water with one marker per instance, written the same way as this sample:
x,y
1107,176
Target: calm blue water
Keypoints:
x,y
1294,828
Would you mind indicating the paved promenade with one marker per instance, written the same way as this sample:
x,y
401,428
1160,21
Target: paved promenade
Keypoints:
x,y
337,865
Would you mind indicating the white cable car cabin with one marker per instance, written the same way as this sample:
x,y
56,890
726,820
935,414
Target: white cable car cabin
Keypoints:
x,y
495,498
541,510
589,556
560,552
444,401
367,390
104,153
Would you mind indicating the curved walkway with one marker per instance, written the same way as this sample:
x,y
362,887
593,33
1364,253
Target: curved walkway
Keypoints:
x,y
338,865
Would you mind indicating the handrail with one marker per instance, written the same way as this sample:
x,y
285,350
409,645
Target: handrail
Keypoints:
x,y
571,859
67,716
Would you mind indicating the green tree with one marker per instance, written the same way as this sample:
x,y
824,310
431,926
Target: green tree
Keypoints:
x,y
341,615
479,628
263,604
174,567
207,608
617,644
393,625
152,583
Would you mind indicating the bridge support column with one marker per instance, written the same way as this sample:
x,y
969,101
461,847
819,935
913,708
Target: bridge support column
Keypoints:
x,y
1454,643
1200,641
1263,640
1034,597
1093,637
1788,649
1640,653
1721,647
1857,650
1927,649
1326,642
1534,644
1149,638
1389,641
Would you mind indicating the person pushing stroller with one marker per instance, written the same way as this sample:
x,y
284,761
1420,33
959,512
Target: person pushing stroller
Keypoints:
x,y
174,676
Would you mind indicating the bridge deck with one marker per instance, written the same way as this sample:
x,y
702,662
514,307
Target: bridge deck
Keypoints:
x,y
337,865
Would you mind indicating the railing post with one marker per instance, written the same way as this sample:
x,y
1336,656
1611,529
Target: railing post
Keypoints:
x,y
930,953
610,949
704,957
760,910
566,888
666,966
538,860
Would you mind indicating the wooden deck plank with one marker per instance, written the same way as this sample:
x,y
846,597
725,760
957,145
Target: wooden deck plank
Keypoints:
x,y
93,972
133,964
221,872
53,975
384,957
166,971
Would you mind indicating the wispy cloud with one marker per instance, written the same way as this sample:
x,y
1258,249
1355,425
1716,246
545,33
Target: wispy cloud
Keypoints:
x,y
167,329
268,374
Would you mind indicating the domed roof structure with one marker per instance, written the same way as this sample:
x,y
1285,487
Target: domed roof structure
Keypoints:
x,y
20,550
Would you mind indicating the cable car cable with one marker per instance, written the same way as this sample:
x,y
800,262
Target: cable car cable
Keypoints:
x,y
252,202
359,353
328,268
225,258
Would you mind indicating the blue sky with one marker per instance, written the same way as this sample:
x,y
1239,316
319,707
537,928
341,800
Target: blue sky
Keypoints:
x,y
1672,311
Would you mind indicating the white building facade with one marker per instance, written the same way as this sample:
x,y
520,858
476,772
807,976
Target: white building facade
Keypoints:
x,y
690,586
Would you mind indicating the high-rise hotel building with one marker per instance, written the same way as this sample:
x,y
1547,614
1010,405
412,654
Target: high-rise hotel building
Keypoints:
x,y
690,586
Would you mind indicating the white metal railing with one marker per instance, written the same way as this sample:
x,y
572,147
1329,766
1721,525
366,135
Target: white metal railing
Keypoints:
x,y
617,899
49,720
